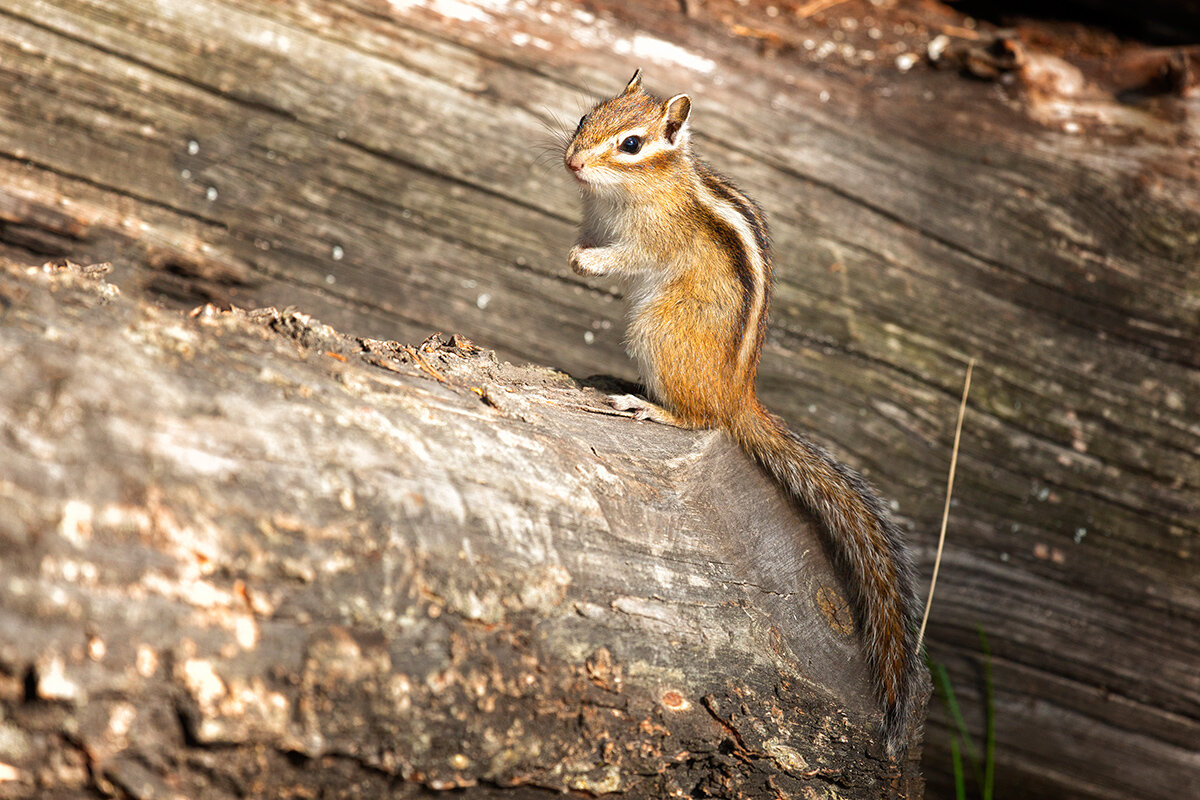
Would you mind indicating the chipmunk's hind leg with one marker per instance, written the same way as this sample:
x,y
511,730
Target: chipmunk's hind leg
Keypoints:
x,y
643,409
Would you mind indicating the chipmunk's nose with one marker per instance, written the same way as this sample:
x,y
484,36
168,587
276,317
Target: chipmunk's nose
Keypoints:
x,y
575,162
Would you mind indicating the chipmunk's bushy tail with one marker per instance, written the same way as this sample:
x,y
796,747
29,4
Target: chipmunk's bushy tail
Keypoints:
x,y
865,545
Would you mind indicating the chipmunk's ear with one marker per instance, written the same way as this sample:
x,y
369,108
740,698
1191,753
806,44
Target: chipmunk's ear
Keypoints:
x,y
678,108
635,82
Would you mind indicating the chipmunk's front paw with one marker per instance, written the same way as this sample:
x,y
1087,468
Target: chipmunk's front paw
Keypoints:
x,y
642,408
585,261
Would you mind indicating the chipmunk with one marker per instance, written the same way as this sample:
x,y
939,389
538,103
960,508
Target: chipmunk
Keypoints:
x,y
695,258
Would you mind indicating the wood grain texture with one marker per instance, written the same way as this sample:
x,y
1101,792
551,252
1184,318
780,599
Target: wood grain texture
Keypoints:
x,y
379,165
243,554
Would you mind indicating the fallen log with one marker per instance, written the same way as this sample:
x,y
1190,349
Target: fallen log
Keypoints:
x,y
243,554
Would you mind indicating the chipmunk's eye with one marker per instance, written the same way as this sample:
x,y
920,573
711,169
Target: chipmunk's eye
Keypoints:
x,y
582,120
631,144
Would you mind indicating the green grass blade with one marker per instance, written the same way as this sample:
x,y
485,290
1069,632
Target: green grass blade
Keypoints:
x,y
960,780
989,688
943,679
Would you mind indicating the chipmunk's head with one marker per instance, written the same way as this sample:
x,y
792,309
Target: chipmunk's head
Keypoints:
x,y
629,140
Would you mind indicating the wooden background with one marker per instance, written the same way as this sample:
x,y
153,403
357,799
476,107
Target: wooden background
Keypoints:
x,y
384,167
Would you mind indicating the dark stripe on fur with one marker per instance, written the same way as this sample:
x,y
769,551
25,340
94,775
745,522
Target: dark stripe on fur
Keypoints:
x,y
731,242
723,189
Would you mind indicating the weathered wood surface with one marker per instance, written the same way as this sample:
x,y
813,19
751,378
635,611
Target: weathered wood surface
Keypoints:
x,y
378,165
243,555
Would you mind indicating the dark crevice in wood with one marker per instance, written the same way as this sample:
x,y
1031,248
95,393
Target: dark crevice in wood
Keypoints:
x,y
1156,21
116,190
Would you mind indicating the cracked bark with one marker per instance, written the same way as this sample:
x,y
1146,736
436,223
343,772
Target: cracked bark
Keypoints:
x,y
243,554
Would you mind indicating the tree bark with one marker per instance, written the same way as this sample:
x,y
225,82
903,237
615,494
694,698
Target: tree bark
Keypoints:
x,y
377,165
244,553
